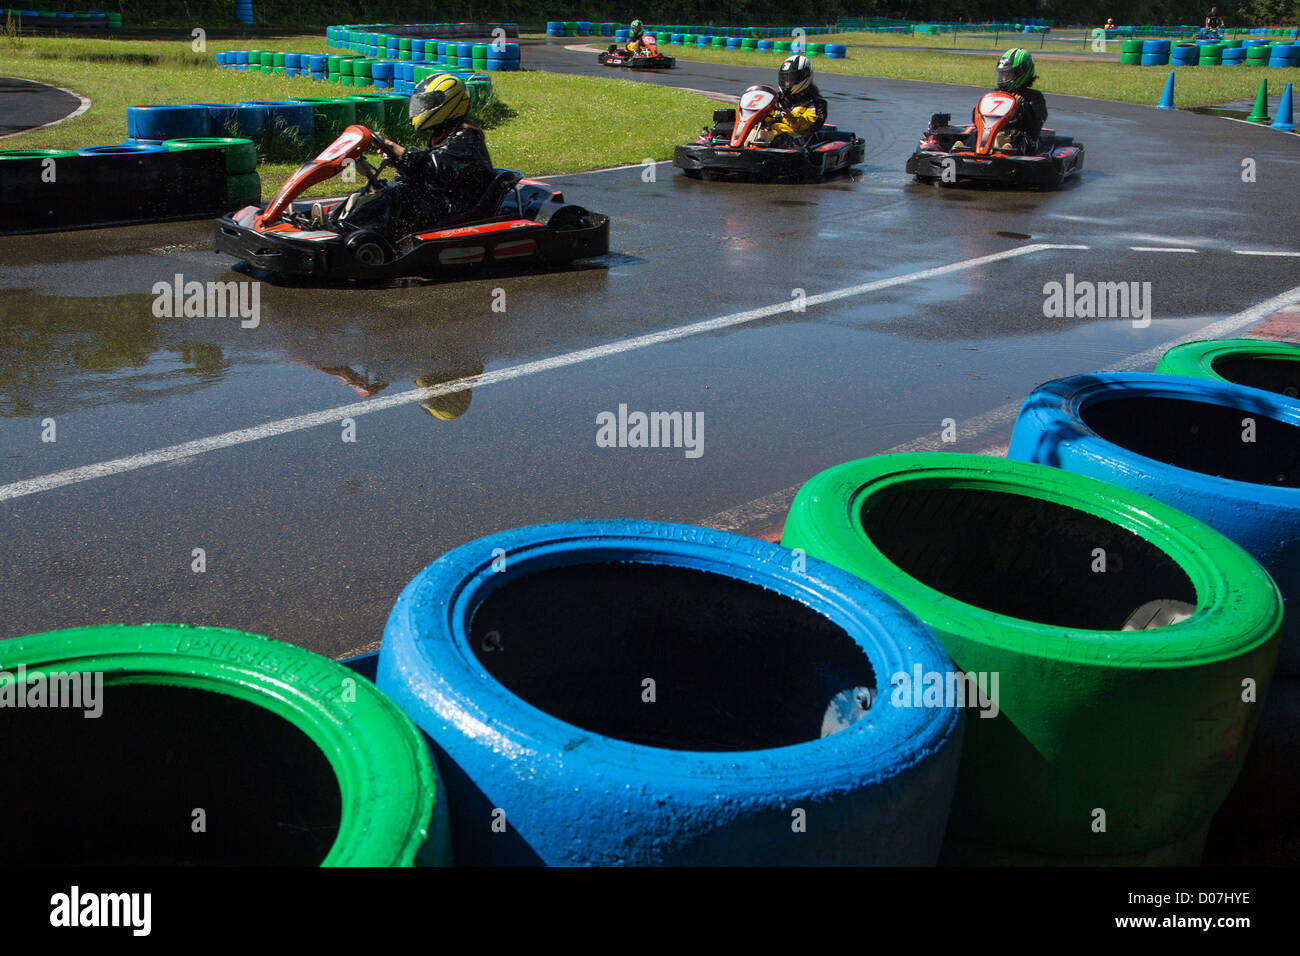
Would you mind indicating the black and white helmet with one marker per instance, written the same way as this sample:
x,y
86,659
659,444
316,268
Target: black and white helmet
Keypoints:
x,y
795,75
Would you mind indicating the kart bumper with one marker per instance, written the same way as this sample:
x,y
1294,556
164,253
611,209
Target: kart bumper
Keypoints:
x,y
284,254
1049,169
769,163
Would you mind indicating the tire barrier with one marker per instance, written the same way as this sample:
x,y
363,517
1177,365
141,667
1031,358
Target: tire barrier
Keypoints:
x,y
370,110
1225,454
118,184
81,20
167,122
1255,363
303,761
241,154
999,558
1257,825
292,119
330,115
663,752
1185,54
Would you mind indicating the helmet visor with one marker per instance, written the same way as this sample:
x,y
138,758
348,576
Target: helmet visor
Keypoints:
x,y
1007,76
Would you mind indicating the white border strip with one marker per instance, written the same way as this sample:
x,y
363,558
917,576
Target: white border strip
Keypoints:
x,y
285,426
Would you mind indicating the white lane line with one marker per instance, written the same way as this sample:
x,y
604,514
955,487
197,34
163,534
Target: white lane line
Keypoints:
x,y
284,426
1259,252
767,510
1161,249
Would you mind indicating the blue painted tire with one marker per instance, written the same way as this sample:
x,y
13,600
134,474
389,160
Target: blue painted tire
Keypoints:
x,y
1179,440
166,122
293,118
117,149
240,121
1155,59
765,46
1155,46
498,667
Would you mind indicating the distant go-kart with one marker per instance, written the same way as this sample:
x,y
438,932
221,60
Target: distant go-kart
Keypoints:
x,y
738,146
651,59
516,221
982,151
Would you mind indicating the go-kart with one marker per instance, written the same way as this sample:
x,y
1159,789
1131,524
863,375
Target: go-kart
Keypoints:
x,y
985,151
741,144
516,221
651,59
1206,33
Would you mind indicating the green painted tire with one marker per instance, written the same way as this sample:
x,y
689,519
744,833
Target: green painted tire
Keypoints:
x,y
243,189
241,154
331,114
36,153
397,116
370,110
781,46
1257,363
292,757
996,557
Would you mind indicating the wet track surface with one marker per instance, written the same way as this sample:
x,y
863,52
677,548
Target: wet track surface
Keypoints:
x,y
309,538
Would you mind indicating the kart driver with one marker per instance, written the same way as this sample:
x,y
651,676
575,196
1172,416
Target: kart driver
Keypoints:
x,y
1015,75
435,183
800,109
1214,22
636,39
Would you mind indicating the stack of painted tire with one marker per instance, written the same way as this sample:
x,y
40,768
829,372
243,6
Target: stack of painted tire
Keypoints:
x,y
836,51
1210,54
243,185
1233,56
111,185
290,758
1185,54
1155,52
1284,55
699,697
1111,742
1228,454
502,56
1131,52
160,122
1256,55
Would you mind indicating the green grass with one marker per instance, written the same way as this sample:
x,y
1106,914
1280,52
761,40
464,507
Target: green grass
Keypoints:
x,y
541,123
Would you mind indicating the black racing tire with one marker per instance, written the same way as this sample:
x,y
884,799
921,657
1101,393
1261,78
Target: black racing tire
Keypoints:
x,y
369,248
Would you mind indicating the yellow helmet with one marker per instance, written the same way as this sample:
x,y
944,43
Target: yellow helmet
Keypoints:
x,y
438,101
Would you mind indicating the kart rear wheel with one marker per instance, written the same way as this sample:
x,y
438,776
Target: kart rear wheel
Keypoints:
x,y
570,217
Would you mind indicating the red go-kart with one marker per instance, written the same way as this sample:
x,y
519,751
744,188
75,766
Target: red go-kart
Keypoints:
x,y
650,59
986,152
516,221
741,144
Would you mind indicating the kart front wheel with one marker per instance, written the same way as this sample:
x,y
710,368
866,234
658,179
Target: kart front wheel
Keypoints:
x,y
369,248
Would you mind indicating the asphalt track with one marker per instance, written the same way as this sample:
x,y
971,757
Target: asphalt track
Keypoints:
x,y
26,104
921,304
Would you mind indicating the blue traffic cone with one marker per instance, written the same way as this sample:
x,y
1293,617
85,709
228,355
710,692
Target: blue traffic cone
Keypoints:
x,y
1284,120
1167,98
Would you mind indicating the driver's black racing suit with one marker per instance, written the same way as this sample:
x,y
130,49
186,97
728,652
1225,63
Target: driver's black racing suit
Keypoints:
x,y
1026,122
431,186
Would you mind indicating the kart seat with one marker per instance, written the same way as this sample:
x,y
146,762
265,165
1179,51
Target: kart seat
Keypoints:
x,y
489,202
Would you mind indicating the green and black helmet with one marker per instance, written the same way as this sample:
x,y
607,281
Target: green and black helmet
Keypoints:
x,y
636,30
1015,70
